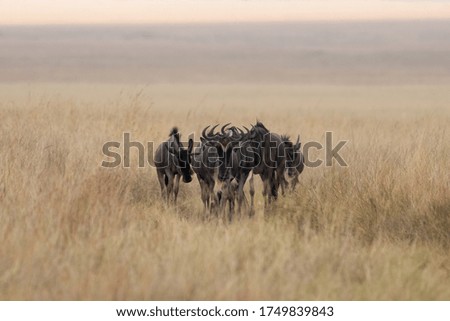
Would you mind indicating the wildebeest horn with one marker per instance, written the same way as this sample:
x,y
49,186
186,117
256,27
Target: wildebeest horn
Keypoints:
x,y
204,135
253,134
211,132
223,128
297,144
237,133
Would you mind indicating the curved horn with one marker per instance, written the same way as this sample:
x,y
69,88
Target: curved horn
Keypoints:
x,y
298,144
238,134
253,132
204,135
233,133
223,128
211,131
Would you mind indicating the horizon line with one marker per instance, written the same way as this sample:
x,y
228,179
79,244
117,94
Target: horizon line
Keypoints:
x,y
228,22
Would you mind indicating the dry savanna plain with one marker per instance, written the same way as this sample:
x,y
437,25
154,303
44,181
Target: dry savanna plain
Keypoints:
x,y
376,229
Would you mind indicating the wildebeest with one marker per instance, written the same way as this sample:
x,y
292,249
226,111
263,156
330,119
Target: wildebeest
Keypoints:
x,y
205,165
172,162
258,151
228,158
272,162
230,168
215,146
240,158
295,162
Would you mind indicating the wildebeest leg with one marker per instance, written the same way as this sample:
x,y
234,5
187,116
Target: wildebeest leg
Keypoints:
x,y
212,196
268,186
240,191
274,186
225,200
231,192
265,188
284,184
294,182
287,185
231,206
162,183
252,194
221,198
176,188
202,192
209,192
169,181
208,199
281,181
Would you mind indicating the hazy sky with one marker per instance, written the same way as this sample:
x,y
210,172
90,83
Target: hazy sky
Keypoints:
x,y
167,11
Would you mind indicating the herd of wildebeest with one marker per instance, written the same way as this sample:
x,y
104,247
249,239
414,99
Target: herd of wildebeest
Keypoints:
x,y
226,159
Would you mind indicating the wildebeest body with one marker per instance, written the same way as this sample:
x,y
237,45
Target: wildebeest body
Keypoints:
x,y
172,162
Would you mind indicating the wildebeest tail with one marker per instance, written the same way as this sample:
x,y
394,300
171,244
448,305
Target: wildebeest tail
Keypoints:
x,y
166,180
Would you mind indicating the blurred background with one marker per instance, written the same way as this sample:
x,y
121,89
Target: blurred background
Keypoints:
x,y
279,42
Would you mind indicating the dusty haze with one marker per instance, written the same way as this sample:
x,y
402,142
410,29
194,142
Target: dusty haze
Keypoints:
x,y
413,52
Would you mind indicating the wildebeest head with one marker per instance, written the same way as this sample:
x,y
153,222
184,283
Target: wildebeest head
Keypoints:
x,y
181,155
258,131
224,142
294,156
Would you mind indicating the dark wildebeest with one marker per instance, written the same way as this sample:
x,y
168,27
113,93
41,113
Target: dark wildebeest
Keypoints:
x,y
272,164
205,165
295,162
229,166
215,147
172,162
242,153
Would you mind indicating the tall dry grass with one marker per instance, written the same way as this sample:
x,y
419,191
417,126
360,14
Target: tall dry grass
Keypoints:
x,y
378,229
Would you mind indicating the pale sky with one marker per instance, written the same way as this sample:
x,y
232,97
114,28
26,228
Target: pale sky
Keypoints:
x,y
182,11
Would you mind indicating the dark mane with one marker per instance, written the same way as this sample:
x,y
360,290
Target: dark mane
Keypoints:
x,y
285,138
259,130
260,126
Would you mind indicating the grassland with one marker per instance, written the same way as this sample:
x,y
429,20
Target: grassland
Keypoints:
x,y
378,229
